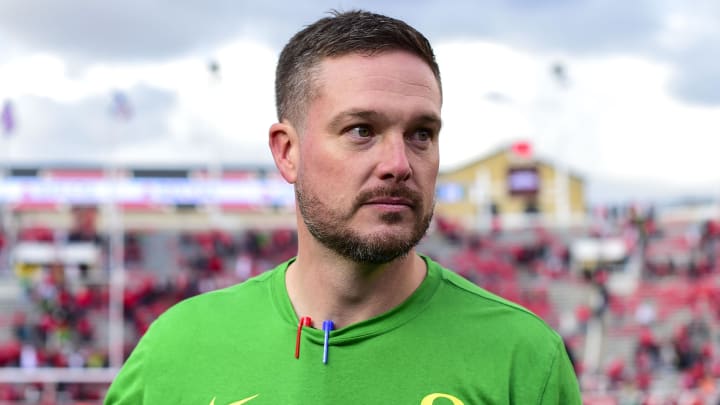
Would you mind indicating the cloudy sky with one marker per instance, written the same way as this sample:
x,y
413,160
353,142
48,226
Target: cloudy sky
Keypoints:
x,y
639,100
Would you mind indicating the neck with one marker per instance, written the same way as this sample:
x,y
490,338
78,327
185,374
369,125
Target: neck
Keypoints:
x,y
325,286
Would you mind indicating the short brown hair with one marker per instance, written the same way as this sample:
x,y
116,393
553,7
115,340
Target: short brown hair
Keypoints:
x,y
343,33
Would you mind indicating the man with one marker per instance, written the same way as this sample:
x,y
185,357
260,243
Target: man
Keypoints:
x,y
359,100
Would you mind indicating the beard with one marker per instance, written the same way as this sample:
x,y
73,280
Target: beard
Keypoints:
x,y
329,225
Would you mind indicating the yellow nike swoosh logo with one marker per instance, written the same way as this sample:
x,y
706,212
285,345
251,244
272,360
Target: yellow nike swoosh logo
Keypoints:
x,y
240,402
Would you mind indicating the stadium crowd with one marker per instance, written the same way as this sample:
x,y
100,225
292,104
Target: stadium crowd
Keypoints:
x,y
670,318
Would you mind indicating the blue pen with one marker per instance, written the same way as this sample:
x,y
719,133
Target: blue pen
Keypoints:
x,y
327,327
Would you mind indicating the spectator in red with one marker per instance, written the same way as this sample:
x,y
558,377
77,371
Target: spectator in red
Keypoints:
x,y
583,315
615,372
647,351
85,225
684,356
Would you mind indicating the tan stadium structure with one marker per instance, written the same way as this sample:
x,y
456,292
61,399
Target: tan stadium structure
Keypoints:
x,y
515,187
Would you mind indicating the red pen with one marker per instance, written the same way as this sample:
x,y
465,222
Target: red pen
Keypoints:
x,y
304,321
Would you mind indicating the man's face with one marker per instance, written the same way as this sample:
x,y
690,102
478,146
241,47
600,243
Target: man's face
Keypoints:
x,y
369,155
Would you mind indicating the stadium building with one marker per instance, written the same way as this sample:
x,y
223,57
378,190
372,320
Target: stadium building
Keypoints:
x,y
514,187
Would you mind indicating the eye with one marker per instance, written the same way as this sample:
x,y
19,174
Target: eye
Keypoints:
x,y
422,135
360,131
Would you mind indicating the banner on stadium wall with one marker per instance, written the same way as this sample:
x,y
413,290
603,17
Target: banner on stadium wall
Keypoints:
x,y
450,192
252,192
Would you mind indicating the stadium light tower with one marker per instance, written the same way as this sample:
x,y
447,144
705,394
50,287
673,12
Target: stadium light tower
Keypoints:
x,y
9,125
214,163
562,186
120,114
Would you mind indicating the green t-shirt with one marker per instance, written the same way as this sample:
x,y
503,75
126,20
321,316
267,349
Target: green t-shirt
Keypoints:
x,y
450,343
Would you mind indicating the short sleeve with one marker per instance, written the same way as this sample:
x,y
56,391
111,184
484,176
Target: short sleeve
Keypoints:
x,y
562,384
129,385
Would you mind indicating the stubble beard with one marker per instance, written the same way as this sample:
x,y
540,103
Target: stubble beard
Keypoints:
x,y
329,225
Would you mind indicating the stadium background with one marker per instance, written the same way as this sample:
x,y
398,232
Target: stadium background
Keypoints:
x,y
131,133
92,255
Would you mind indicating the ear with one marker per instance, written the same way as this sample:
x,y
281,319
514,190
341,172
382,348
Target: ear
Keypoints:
x,y
284,145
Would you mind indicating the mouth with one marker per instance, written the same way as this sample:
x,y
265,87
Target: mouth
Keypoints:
x,y
391,202
390,199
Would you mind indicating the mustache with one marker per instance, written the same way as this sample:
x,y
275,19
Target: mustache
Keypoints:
x,y
389,191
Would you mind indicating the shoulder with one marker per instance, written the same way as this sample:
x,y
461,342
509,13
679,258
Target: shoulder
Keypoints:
x,y
467,299
201,317
210,305
491,330
201,328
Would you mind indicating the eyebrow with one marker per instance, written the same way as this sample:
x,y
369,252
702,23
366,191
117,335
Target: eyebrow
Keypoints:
x,y
430,119
365,115
370,115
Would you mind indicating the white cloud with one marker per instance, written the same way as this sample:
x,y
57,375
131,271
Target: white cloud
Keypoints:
x,y
642,132
473,125
235,112
37,74
625,114
615,119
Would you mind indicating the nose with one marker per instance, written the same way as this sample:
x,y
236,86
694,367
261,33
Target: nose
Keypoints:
x,y
394,164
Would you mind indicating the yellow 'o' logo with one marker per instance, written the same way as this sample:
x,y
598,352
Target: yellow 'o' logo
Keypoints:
x,y
430,399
